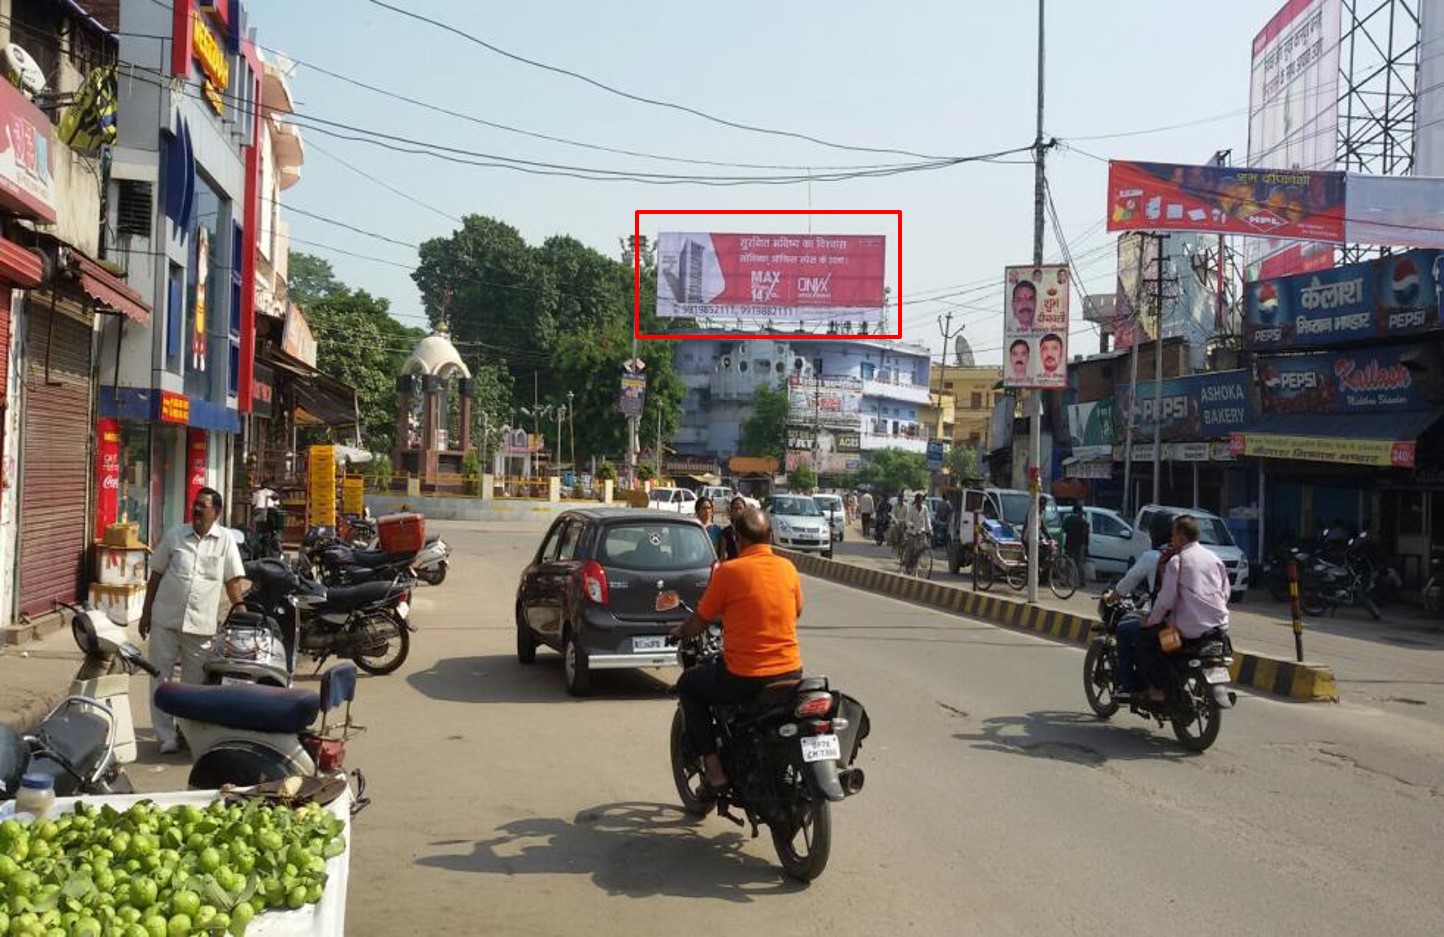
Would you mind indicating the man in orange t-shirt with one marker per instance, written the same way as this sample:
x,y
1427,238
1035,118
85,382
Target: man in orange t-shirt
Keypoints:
x,y
758,598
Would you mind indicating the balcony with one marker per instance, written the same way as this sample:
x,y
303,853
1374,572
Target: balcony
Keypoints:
x,y
891,390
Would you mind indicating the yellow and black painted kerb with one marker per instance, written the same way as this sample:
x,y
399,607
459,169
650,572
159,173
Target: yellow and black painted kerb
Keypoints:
x,y
1308,682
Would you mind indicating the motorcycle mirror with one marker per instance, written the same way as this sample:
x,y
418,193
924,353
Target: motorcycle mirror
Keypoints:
x,y
82,629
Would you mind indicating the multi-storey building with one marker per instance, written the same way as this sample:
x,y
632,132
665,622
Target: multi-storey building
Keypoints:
x,y
973,391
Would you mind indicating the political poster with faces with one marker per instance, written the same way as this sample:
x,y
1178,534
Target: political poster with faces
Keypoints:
x,y
1035,327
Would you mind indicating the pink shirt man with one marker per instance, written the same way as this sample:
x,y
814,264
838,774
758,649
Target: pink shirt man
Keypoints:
x,y
1194,593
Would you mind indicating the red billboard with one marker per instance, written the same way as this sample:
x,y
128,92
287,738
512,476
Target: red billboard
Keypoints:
x,y
1306,206
107,473
770,276
195,464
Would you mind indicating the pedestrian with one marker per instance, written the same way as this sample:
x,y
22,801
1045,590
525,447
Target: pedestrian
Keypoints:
x,y
182,600
849,507
865,507
704,511
1075,535
728,546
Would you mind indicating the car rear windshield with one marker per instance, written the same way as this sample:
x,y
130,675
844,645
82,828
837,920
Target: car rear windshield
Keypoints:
x,y
796,507
828,502
656,546
661,494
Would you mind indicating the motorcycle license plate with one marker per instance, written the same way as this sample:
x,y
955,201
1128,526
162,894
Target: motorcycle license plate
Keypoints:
x,y
820,748
1216,675
649,643
403,609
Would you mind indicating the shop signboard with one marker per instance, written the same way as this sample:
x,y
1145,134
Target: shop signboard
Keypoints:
x,y
1377,453
107,473
1390,296
174,408
263,390
196,470
296,338
215,66
1226,200
321,487
1035,327
1361,381
1197,407
1090,428
770,276
27,174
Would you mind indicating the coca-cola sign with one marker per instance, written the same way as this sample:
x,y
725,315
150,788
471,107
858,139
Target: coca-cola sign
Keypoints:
x,y
107,472
1363,381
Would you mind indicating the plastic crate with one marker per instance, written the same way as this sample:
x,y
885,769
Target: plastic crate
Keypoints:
x,y
401,533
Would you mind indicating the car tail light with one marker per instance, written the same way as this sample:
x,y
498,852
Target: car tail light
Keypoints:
x,y
594,583
816,705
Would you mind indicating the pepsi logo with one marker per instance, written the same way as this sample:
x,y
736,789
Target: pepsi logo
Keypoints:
x,y
1404,283
1268,301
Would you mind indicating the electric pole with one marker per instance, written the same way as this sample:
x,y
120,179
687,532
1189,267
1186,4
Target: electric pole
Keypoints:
x,y
634,246
1035,422
1161,288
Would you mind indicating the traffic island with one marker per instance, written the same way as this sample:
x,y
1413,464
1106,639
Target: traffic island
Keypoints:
x,y
1305,682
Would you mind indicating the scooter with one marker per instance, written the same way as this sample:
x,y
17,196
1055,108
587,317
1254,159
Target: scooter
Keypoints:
x,y
85,739
251,734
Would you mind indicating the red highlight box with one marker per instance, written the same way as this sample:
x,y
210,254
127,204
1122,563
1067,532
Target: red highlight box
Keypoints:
x,y
637,273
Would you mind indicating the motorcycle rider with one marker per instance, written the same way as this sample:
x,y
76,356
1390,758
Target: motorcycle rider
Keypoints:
x,y
758,597
1192,596
1143,574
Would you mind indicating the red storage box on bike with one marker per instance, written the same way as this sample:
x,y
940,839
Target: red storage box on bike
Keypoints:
x,y
401,533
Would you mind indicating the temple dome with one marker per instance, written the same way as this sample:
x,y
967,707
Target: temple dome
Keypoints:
x,y
435,355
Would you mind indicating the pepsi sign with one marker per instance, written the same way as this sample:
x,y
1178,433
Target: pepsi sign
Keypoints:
x,y
1370,380
1391,296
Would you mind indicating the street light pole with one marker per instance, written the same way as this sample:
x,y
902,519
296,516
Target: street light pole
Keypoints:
x,y
1035,428
557,442
572,424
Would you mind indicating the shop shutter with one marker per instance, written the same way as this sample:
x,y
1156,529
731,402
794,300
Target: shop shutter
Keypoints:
x,y
4,347
55,459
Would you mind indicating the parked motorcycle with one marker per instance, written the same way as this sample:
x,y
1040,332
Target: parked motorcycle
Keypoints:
x,y
244,735
257,642
1195,695
367,623
789,755
336,563
82,742
1325,586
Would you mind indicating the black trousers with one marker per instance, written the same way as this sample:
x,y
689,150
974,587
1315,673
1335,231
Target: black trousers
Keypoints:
x,y
711,684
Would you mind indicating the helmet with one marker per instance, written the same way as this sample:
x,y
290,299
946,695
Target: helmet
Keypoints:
x,y
14,761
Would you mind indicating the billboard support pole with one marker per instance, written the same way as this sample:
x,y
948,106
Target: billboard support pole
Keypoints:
x,y
1128,417
1035,421
1158,371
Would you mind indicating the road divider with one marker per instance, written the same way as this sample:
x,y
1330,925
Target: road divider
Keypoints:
x,y
1285,678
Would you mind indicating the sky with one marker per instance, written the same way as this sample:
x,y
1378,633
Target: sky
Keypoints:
x,y
1135,79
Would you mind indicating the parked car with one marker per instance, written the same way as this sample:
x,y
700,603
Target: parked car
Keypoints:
x,y
606,586
836,513
1110,542
798,524
1213,534
676,500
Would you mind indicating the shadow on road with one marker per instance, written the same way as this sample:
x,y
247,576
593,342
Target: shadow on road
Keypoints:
x,y
499,678
1076,738
633,849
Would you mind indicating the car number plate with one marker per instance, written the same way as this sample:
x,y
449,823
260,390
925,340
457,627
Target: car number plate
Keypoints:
x,y
234,681
820,748
650,643
1216,675
403,609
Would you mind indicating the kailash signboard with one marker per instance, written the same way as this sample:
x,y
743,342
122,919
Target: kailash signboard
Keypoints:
x,y
1370,380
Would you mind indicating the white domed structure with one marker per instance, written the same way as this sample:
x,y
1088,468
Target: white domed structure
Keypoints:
x,y
435,355
432,437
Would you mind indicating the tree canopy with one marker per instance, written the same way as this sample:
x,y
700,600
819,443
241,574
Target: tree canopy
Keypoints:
x,y
764,432
895,470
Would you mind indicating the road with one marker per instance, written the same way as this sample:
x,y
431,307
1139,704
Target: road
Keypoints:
x,y
994,803
1394,664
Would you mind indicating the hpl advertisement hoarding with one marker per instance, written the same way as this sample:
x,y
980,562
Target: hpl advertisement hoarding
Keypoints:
x,y
770,276
1366,380
1197,407
1035,326
1394,295
1294,115
1226,200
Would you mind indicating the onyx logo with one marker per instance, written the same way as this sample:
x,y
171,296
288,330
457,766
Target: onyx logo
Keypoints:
x,y
814,287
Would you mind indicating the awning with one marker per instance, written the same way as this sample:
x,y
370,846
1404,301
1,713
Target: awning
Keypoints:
x,y
320,396
107,289
1381,440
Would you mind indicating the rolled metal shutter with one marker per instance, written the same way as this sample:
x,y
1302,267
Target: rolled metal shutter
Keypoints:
x,y
55,457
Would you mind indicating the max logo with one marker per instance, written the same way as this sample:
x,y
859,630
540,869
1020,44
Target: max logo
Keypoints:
x,y
816,287
764,285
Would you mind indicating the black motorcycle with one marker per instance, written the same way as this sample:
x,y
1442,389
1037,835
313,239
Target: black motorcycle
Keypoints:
x,y
1195,695
367,623
1325,585
789,755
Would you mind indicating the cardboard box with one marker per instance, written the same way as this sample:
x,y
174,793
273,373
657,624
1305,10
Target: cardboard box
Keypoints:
x,y
126,536
123,604
121,566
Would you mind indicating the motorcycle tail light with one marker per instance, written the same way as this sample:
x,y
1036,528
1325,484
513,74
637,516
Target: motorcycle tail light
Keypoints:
x,y
819,727
819,704
594,583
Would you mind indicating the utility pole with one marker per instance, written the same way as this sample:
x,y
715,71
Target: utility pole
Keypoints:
x,y
633,427
1035,422
1158,369
572,423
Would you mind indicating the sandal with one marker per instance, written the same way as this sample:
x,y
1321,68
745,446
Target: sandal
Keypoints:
x,y
710,791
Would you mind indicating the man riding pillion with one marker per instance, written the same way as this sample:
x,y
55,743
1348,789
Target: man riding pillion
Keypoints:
x,y
1142,575
758,598
1192,596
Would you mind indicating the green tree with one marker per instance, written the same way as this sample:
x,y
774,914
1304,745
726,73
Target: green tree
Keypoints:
x,y
893,470
961,462
802,479
764,432
309,278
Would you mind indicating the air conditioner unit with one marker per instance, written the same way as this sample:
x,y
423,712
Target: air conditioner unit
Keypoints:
x,y
23,71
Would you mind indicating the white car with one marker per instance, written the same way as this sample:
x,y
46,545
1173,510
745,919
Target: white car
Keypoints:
x,y
835,512
1110,542
1213,534
798,524
674,500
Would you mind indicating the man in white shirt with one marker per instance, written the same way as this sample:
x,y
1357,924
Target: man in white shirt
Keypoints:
x,y
865,508
1142,576
183,599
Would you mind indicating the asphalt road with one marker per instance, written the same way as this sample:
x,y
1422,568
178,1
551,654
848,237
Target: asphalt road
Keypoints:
x,y
995,804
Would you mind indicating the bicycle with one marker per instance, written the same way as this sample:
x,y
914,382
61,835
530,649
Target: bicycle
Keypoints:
x,y
1063,575
915,556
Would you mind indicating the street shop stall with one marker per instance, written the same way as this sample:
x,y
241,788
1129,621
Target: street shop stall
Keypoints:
x,y
289,917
